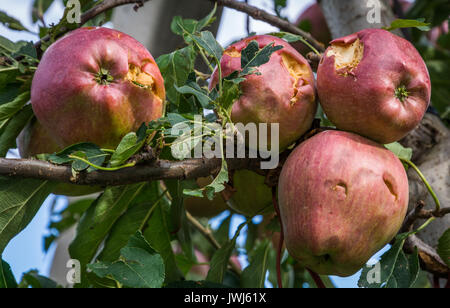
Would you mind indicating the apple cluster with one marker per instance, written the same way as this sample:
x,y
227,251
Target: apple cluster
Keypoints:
x,y
342,195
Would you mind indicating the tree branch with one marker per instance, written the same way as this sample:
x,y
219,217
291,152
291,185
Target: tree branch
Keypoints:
x,y
94,12
158,170
430,259
262,15
420,213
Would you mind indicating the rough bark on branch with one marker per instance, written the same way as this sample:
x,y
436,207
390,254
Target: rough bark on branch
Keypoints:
x,y
158,170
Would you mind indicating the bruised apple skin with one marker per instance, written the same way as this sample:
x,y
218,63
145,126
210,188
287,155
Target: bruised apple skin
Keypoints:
x,y
375,84
313,21
96,85
283,93
203,207
34,140
342,198
252,196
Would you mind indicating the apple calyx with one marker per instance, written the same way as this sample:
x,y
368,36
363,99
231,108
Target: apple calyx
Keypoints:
x,y
401,93
103,77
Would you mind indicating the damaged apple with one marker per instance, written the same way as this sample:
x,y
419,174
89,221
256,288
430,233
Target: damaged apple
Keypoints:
x,y
375,84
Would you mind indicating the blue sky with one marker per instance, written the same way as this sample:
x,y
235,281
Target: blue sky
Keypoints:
x,y
25,251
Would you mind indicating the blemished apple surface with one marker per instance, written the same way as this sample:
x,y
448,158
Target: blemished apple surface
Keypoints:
x,y
102,82
375,84
283,92
342,198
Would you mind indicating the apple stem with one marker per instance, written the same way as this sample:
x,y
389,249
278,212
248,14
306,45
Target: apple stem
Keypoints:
x,y
317,279
280,243
424,180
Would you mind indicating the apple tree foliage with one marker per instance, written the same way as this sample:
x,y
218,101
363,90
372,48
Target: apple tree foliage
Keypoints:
x,y
124,237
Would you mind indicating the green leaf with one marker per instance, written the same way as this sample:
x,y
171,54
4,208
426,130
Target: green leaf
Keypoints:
x,y
222,234
231,92
254,275
130,222
7,45
444,247
98,220
20,200
39,9
65,219
219,261
25,49
400,151
138,267
129,146
409,23
178,215
88,151
175,68
180,26
406,271
218,184
11,22
207,41
10,129
158,235
8,92
249,53
9,109
279,5
394,270
199,93
207,20
253,233
7,279
255,59
195,285
32,279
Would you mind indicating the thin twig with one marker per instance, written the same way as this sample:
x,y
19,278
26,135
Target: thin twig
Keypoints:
x,y
262,15
420,213
317,279
92,13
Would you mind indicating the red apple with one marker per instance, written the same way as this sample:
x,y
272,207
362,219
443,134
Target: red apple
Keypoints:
x,y
342,198
374,83
203,207
96,85
252,197
34,140
313,21
283,93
